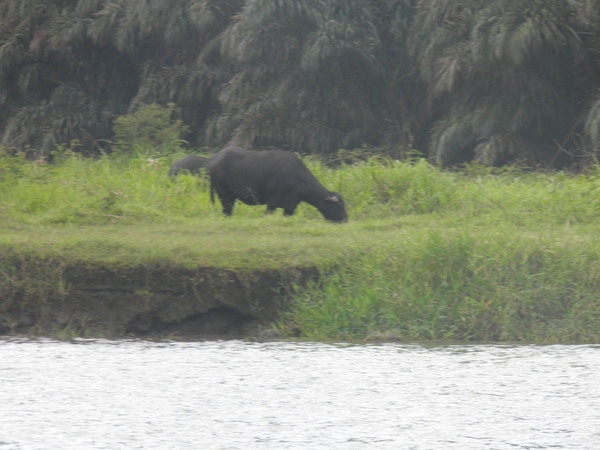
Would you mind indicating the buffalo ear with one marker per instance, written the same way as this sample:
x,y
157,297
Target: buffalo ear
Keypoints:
x,y
333,198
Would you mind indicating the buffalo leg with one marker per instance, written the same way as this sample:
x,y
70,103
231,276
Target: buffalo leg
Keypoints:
x,y
272,206
290,208
227,205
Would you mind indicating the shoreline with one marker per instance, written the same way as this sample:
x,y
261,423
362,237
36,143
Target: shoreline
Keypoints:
x,y
51,298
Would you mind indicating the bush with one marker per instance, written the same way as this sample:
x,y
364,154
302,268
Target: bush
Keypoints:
x,y
150,126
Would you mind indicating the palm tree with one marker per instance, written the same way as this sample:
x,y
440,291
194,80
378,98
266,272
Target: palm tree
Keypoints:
x,y
173,43
590,19
505,79
60,85
67,68
311,75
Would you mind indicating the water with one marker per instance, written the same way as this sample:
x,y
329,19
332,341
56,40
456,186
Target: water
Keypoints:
x,y
242,395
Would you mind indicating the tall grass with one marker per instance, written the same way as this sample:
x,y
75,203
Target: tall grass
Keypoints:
x,y
134,190
83,191
459,285
137,189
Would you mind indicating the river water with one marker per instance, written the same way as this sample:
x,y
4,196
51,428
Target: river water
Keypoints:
x,y
131,394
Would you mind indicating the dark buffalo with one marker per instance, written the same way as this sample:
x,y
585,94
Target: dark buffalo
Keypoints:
x,y
191,163
274,178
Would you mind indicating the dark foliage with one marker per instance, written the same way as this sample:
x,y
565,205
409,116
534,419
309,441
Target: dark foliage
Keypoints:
x,y
315,76
67,68
506,80
493,81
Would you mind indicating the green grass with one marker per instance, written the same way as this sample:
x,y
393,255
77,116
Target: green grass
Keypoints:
x,y
236,243
479,254
461,285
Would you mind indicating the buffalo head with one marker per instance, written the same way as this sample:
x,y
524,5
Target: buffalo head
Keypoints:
x,y
333,208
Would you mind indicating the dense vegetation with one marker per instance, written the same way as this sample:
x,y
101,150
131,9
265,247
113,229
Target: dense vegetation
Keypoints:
x,y
459,80
480,254
483,253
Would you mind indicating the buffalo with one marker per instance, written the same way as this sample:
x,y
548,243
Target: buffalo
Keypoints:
x,y
192,163
274,178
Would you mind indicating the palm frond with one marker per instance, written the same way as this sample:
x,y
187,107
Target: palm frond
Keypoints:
x,y
12,53
532,108
454,65
88,8
347,43
433,34
105,23
500,76
259,12
592,125
309,75
500,149
191,89
64,33
69,115
518,34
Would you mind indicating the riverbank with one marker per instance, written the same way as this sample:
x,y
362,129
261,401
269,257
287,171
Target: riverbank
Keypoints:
x,y
217,276
114,247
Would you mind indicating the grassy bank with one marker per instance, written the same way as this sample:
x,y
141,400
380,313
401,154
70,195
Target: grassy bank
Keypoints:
x,y
428,254
461,285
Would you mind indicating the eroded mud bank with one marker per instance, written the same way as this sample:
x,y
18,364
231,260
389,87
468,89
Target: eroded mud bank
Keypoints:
x,y
50,297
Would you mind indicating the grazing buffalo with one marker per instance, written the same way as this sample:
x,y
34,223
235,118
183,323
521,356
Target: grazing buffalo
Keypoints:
x,y
191,163
274,178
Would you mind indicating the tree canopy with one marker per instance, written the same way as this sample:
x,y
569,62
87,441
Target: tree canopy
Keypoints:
x,y
504,78
460,80
68,68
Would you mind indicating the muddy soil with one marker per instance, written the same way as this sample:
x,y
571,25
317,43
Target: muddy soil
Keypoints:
x,y
54,299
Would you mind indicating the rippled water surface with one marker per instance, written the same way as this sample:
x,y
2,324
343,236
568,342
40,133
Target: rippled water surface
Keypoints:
x,y
243,395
